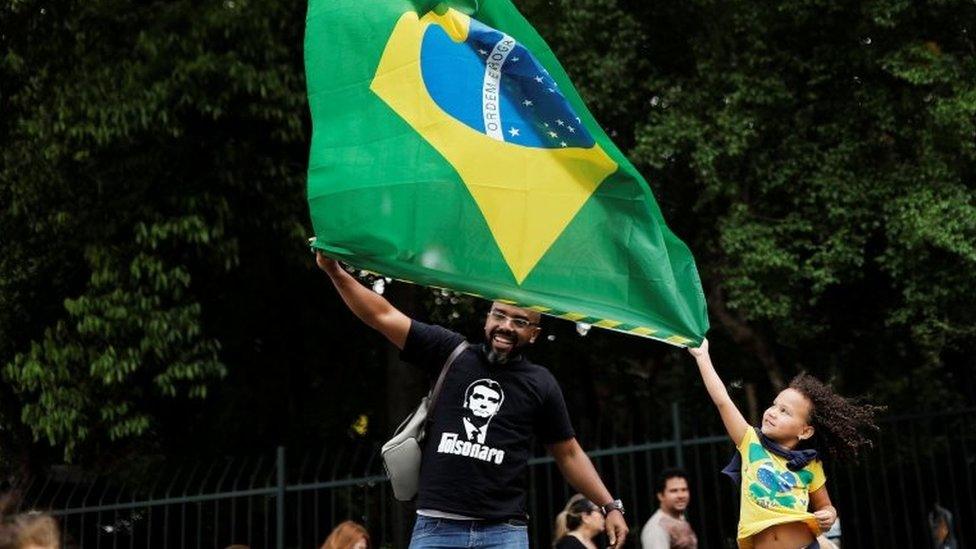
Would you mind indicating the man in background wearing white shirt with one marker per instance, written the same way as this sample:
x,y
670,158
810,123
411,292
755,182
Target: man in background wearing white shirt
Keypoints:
x,y
668,528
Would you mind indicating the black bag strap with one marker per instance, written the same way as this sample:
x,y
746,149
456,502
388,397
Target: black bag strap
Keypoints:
x,y
436,391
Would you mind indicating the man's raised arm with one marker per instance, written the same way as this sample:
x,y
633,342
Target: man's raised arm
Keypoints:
x,y
370,307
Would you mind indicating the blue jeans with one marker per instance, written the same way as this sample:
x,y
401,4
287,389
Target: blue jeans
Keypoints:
x,y
437,533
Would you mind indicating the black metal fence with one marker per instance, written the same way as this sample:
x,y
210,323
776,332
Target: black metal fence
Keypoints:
x,y
293,501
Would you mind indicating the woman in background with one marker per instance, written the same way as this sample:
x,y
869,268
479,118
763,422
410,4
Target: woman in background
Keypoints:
x,y
348,535
578,524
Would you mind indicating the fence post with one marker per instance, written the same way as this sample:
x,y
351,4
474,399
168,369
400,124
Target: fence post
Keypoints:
x,y
280,499
679,455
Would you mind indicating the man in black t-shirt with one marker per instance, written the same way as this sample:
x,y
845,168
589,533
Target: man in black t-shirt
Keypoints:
x,y
473,476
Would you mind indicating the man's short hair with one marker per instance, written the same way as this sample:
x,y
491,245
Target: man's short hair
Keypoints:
x,y
667,474
487,383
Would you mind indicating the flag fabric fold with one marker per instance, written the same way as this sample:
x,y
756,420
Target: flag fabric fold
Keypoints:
x,y
450,149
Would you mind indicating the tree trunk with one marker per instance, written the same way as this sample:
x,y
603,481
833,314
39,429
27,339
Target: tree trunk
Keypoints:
x,y
746,336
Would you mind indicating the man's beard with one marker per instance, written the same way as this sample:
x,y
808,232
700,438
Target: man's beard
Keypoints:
x,y
493,356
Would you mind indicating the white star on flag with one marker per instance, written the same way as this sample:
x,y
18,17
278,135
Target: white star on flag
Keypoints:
x,y
527,103
482,52
563,143
571,129
513,131
560,122
553,135
538,79
514,59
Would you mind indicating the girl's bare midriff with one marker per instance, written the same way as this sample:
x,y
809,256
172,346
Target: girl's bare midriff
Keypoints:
x,y
792,535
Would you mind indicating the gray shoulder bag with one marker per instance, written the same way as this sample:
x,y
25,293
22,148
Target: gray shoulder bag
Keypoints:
x,y
402,453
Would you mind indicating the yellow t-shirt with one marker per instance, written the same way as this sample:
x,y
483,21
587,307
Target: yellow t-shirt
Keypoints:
x,y
771,493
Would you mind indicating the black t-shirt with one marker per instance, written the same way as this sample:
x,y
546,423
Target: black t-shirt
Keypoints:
x,y
569,542
479,440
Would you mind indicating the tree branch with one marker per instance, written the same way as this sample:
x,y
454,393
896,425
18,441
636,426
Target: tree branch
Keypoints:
x,y
746,336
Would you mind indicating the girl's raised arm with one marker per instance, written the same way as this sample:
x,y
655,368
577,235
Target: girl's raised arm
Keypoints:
x,y
735,424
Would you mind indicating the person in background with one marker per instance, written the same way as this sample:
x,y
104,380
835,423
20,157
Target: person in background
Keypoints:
x,y
941,527
347,535
578,524
30,531
667,528
831,538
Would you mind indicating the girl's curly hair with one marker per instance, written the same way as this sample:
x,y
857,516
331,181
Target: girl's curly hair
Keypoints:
x,y
841,425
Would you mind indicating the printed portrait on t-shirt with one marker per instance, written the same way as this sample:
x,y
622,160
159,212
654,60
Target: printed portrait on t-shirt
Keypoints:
x,y
482,399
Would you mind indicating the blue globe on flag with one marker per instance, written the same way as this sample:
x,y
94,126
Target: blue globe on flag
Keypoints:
x,y
496,87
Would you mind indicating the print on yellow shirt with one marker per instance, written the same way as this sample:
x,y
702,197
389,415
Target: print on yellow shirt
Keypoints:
x,y
771,493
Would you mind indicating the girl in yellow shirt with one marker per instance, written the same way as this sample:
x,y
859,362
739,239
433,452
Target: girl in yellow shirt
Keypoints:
x,y
784,500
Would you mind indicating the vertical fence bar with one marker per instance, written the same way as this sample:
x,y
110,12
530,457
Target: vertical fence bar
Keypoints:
x,y
714,462
919,485
970,487
280,500
98,523
20,504
299,496
250,500
883,467
220,486
906,515
850,482
676,429
267,525
868,482
233,503
952,478
696,452
98,530
149,512
383,514
318,496
634,496
649,469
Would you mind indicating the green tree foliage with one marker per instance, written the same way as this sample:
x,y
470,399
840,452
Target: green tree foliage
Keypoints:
x,y
146,141
818,157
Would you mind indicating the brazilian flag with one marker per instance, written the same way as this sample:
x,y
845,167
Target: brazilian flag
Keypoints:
x,y
451,150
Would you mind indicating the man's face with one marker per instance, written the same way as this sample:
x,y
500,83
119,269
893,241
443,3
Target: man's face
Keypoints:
x,y
484,402
674,498
508,328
